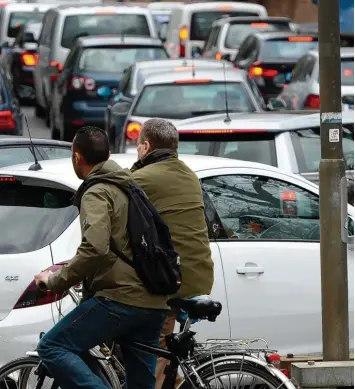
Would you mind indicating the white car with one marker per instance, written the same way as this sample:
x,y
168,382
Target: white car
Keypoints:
x,y
264,234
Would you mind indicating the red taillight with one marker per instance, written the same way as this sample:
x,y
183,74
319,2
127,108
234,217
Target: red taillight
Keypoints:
x,y
81,83
7,121
183,36
55,64
132,130
31,297
258,71
29,59
312,102
7,179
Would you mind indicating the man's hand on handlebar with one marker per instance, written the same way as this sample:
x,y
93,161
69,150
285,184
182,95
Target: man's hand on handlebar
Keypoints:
x,y
41,279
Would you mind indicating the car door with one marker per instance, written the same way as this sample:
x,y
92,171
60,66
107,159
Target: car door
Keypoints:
x,y
268,237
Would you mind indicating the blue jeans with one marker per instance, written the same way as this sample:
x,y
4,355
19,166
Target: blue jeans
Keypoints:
x,y
93,322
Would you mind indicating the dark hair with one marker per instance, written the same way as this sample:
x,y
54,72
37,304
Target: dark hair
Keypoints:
x,y
92,143
160,133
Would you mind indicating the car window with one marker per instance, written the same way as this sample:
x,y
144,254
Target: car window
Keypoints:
x,y
15,155
263,208
254,147
18,19
256,92
179,101
76,26
307,145
285,49
201,21
56,152
38,213
117,59
238,32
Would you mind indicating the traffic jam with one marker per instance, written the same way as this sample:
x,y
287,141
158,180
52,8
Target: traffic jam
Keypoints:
x,y
242,89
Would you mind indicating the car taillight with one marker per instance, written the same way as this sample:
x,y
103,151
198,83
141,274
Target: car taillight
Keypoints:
x,y
132,130
57,68
32,298
219,56
7,121
312,102
81,83
183,35
29,59
258,71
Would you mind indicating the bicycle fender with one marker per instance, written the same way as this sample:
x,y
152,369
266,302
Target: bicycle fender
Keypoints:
x,y
247,358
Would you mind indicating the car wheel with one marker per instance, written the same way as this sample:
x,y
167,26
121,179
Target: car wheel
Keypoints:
x,y
39,111
55,134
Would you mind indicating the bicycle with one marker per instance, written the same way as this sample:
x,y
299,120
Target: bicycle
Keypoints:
x,y
204,365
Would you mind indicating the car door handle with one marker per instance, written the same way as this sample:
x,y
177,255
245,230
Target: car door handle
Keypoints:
x,y
250,269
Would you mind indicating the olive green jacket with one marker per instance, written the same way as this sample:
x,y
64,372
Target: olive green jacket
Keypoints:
x,y
175,191
103,214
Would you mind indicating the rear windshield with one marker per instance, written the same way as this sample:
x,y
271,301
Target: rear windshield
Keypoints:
x,y
308,149
32,217
18,19
201,22
179,101
238,32
76,26
246,147
117,59
285,49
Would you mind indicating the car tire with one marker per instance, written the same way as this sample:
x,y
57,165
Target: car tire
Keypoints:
x,y
39,111
55,133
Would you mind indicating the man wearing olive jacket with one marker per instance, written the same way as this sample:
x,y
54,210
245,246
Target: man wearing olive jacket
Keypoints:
x,y
175,191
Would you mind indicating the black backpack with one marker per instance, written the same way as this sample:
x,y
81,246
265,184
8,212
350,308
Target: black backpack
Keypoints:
x,y
154,258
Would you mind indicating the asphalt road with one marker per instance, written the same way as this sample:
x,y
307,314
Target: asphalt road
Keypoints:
x,y
37,126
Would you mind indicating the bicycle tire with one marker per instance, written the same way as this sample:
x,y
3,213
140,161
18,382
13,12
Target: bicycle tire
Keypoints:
x,y
235,367
105,372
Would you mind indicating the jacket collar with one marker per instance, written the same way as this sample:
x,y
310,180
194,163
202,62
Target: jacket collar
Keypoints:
x,y
154,157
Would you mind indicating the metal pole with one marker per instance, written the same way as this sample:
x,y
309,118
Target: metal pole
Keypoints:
x,y
333,203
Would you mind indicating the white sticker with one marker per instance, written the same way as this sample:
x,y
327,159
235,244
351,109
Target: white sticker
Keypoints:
x,y
334,135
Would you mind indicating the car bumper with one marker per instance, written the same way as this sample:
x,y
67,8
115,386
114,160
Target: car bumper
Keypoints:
x,y
20,330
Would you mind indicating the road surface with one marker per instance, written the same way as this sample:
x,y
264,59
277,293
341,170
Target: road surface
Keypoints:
x,y
37,126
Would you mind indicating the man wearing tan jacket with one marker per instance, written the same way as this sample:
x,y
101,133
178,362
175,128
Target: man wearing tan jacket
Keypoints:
x,y
175,191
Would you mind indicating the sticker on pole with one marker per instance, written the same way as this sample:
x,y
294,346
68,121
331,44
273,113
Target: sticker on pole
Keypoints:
x,y
331,117
334,135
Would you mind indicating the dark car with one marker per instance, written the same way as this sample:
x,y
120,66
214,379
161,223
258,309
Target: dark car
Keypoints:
x,y
132,81
227,34
271,56
15,150
91,75
10,110
21,60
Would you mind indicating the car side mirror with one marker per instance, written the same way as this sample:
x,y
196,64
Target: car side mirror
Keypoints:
x,y
226,57
121,108
276,103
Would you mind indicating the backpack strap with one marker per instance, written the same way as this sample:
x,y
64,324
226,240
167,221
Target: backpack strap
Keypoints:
x,y
120,254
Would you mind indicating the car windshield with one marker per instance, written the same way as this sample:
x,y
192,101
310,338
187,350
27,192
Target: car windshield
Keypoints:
x,y
76,26
238,32
32,216
308,149
254,147
117,59
18,19
182,101
286,49
201,22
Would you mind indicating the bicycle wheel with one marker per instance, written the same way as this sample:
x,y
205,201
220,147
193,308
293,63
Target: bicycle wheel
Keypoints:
x,y
20,374
237,375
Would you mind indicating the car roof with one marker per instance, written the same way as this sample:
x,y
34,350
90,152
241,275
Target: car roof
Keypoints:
x,y
122,40
202,74
19,140
225,6
279,34
24,7
164,5
80,9
345,52
250,19
61,170
263,121
181,62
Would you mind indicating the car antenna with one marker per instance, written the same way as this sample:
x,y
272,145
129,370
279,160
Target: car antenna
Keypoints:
x,y
227,118
36,166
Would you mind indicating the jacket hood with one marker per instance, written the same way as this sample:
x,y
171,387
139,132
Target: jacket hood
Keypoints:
x,y
112,172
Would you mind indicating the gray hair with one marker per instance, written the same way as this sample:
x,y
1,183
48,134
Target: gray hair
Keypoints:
x,y
160,133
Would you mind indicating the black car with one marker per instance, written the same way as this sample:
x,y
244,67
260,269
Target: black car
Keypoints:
x,y
21,60
90,77
270,57
15,150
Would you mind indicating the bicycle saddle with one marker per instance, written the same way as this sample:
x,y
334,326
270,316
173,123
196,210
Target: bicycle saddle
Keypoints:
x,y
197,309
